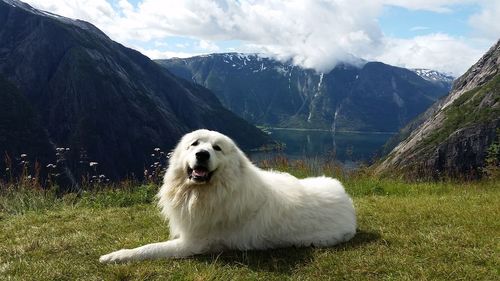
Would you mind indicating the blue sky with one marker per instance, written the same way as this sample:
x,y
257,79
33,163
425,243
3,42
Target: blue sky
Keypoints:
x,y
446,35
404,23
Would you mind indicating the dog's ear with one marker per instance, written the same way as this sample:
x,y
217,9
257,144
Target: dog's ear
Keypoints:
x,y
240,161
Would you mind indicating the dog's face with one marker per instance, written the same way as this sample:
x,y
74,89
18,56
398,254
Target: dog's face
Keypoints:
x,y
202,154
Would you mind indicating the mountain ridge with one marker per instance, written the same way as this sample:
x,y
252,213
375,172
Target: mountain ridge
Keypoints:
x,y
101,99
268,92
452,137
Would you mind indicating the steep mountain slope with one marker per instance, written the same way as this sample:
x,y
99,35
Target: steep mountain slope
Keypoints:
x,y
20,131
368,97
452,137
101,99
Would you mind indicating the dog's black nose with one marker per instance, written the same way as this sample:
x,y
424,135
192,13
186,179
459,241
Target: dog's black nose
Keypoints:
x,y
202,155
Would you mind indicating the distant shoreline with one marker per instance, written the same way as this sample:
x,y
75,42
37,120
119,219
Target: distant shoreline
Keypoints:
x,y
325,130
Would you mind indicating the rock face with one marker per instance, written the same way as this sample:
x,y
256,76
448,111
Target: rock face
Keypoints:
x,y
451,138
20,131
361,96
101,99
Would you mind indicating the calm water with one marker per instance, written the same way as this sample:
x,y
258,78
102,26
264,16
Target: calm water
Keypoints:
x,y
347,148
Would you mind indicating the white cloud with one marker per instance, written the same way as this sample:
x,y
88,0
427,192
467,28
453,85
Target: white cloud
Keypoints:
x,y
439,6
160,44
435,51
486,22
158,54
419,28
125,6
313,33
182,45
94,11
208,46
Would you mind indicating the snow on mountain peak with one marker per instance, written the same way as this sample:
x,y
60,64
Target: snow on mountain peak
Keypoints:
x,y
433,75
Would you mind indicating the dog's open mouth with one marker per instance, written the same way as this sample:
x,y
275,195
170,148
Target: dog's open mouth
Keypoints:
x,y
199,174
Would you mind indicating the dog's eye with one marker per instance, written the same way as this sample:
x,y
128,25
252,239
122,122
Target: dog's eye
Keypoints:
x,y
195,143
216,147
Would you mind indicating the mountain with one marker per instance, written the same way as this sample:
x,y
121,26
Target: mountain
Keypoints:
x,y
364,96
452,137
442,79
20,131
105,102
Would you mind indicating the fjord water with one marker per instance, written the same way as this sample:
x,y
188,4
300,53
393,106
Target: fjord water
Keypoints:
x,y
348,148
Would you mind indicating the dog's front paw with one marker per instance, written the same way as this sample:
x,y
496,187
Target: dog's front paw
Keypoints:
x,y
118,256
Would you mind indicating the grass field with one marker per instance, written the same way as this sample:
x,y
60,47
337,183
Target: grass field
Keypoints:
x,y
418,231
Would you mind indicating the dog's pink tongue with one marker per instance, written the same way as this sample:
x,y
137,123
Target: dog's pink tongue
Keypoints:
x,y
199,172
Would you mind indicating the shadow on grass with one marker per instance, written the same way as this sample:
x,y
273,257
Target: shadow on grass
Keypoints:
x,y
283,260
362,237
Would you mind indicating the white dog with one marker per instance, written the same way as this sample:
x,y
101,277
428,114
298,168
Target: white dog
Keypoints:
x,y
216,199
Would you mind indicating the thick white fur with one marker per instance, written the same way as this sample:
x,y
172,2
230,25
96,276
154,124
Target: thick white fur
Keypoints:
x,y
242,207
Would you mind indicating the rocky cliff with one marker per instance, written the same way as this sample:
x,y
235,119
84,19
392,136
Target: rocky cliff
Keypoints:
x,y
102,100
452,137
360,96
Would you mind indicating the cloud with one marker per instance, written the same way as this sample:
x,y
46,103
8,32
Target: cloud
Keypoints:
x,y
438,6
419,28
486,22
435,51
313,33
125,6
208,46
95,11
158,54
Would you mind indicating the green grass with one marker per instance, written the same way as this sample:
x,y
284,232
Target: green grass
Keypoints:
x,y
407,231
